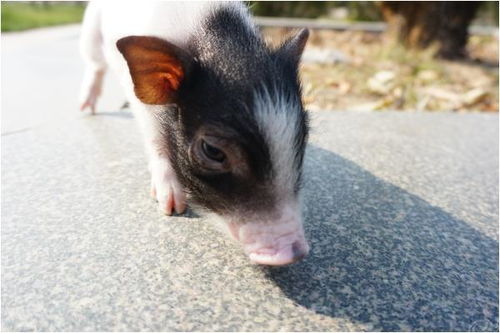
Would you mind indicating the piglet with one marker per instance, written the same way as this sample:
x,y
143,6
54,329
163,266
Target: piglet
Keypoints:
x,y
221,113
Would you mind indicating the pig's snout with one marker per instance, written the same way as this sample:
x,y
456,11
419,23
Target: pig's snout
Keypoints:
x,y
274,244
282,256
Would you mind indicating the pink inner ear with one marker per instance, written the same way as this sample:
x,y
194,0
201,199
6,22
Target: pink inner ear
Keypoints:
x,y
156,70
171,82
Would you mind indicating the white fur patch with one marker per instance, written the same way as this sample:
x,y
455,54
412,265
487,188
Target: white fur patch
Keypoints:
x,y
174,21
279,124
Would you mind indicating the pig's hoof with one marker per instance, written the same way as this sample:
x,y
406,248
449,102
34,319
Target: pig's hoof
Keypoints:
x,y
170,197
90,101
88,105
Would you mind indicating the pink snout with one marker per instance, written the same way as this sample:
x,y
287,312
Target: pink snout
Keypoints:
x,y
274,244
281,256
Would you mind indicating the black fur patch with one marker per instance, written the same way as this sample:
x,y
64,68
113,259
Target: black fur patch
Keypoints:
x,y
231,63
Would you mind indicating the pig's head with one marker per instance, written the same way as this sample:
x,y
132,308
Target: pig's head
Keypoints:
x,y
235,130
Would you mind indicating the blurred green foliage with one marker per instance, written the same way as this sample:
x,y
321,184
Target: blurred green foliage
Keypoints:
x,y
33,14
26,15
356,10
488,13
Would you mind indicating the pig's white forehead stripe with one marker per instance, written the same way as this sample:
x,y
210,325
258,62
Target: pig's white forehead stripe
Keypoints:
x,y
278,121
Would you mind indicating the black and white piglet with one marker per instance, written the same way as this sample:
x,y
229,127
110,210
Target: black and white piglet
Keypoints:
x,y
220,111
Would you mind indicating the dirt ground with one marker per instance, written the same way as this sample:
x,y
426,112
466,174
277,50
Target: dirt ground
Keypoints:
x,y
353,70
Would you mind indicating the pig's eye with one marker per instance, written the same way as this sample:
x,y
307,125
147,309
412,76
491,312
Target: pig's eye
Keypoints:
x,y
212,152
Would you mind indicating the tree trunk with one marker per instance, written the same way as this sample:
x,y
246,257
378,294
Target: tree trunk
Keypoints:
x,y
419,24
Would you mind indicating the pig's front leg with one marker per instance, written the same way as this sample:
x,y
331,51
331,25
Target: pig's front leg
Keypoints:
x,y
91,89
165,187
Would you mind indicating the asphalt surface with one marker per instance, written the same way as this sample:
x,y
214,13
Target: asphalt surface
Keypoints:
x,y
401,211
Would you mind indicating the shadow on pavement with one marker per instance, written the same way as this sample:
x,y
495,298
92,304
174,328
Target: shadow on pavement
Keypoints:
x,y
384,257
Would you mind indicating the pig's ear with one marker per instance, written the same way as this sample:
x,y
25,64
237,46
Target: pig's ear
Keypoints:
x,y
157,67
292,48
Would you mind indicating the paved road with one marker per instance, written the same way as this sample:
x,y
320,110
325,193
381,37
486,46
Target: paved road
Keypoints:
x,y
401,210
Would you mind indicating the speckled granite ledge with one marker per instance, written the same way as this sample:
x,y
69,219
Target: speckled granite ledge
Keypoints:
x,y
401,211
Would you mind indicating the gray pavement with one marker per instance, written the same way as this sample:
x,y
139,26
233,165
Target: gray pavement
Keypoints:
x,y
401,210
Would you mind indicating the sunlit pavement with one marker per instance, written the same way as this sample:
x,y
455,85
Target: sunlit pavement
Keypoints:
x,y
401,211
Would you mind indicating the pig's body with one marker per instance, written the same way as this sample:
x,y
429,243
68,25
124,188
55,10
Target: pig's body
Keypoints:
x,y
221,113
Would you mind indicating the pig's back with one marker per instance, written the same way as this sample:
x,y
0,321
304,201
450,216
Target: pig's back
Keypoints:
x,y
174,21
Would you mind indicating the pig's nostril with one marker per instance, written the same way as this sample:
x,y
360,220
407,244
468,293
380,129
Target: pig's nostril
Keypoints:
x,y
298,251
284,256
